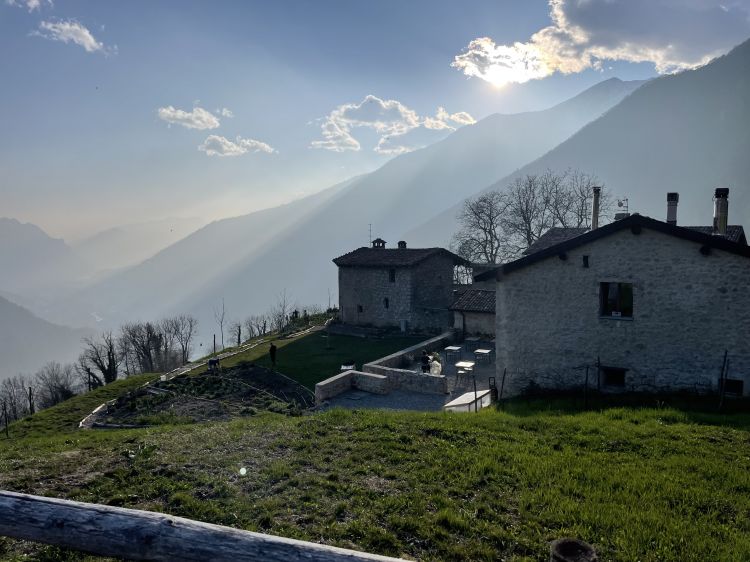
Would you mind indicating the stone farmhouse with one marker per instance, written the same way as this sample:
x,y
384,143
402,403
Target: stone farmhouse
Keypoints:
x,y
408,288
638,304
474,312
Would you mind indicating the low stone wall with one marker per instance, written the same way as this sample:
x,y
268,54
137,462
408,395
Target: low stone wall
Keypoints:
x,y
405,379
334,386
369,382
386,374
411,354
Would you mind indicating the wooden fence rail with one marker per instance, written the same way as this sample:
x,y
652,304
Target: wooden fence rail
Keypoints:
x,y
143,535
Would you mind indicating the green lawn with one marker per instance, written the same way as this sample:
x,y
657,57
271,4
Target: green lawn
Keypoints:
x,y
309,360
652,484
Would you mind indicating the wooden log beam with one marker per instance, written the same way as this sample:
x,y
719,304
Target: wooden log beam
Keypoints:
x,y
144,535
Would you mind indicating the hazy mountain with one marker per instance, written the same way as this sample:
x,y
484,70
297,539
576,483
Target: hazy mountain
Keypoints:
x,y
35,265
164,281
249,260
130,244
28,342
688,132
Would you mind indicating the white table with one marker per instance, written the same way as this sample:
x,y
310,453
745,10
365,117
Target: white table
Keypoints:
x,y
465,365
470,401
483,354
452,350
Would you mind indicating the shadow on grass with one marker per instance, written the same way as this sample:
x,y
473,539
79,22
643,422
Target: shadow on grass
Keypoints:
x,y
735,412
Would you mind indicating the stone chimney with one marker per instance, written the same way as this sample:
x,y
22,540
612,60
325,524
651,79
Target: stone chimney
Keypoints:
x,y
595,208
672,200
721,210
378,243
402,245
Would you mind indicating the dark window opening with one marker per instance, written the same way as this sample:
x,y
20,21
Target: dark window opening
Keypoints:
x,y
613,376
392,275
359,308
386,302
616,300
733,386
585,261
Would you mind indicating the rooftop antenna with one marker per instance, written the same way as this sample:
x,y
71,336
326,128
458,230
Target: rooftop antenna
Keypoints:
x,y
623,204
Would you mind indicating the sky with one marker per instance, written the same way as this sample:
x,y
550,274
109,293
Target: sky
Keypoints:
x,y
121,112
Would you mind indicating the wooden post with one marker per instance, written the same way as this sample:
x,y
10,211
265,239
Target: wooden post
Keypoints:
x,y
586,390
142,535
214,343
722,379
31,401
474,377
5,416
502,384
598,374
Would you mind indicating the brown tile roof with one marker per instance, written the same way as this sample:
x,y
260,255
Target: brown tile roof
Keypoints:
x,y
735,232
553,236
634,222
393,257
475,300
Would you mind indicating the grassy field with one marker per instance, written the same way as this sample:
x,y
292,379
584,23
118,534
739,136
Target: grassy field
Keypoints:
x,y
638,483
313,357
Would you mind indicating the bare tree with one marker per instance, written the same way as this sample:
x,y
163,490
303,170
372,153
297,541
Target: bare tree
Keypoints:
x,y
249,326
235,331
279,313
99,356
187,329
142,341
14,393
55,383
480,237
219,316
498,226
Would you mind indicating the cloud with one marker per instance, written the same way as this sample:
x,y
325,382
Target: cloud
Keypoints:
x,y
391,119
673,35
215,145
71,31
30,5
224,112
198,118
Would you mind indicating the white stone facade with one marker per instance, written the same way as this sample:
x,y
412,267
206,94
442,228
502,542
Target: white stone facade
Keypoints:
x,y
688,308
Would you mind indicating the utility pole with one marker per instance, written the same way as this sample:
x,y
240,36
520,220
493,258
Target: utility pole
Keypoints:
x,y
31,401
214,343
370,234
5,416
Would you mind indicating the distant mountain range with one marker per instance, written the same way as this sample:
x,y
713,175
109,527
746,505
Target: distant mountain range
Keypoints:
x,y
130,244
28,342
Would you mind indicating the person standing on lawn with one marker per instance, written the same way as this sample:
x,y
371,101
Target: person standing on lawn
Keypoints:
x,y
272,353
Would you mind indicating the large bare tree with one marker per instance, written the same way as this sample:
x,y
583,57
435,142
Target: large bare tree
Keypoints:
x,y
187,329
500,225
99,362
220,317
55,382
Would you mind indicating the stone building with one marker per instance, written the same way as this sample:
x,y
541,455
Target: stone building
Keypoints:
x,y
409,288
474,312
645,305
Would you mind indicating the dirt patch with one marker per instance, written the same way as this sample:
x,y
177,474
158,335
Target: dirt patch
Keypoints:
x,y
243,390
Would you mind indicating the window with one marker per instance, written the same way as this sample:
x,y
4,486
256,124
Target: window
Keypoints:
x,y
616,300
392,275
613,376
386,302
733,386
359,308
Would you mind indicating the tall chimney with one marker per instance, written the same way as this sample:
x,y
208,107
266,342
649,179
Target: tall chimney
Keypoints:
x,y
672,200
401,245
721,210
595,208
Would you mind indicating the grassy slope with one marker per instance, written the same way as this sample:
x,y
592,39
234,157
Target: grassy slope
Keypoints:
x,y
648,484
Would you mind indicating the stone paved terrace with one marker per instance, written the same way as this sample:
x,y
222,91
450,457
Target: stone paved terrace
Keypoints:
x,y
408,400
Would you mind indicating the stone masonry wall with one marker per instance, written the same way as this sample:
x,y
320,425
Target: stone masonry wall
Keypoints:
x,y
687,309
368,287
432,293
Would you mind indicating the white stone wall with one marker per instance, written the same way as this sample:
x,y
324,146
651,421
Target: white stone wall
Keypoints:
x,y
687,309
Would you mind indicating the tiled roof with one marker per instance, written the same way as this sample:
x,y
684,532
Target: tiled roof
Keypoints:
x,y
475,300
634,222
735,232
392,257
553,236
